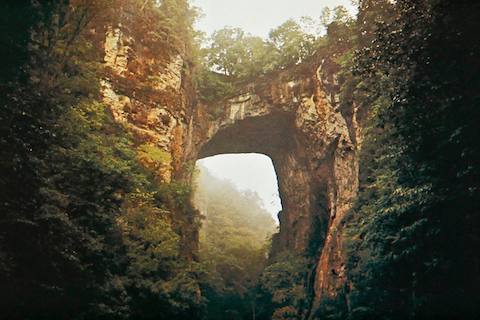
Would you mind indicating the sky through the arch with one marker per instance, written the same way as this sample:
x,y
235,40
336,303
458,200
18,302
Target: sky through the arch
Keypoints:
x,y
249,171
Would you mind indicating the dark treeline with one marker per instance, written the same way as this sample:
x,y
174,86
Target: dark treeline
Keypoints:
x,y
413,236
86,230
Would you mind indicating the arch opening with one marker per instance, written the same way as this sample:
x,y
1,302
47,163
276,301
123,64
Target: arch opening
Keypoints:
x,y
238,197
248,173
274,133
304,173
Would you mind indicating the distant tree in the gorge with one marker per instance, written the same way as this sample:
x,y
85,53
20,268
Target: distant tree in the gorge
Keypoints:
x,y
281,293
233,245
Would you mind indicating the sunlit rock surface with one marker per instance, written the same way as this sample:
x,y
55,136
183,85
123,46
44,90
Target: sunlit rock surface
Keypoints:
x,y
163,124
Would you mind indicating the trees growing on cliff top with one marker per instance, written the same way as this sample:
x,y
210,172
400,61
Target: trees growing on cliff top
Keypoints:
x,y
231,57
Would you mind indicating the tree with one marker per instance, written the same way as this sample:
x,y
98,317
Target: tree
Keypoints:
x,y
281,290
236,54
339,26
292,44
226,51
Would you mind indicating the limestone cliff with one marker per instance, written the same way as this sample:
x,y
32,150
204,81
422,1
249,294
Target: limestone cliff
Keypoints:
x,y
291,116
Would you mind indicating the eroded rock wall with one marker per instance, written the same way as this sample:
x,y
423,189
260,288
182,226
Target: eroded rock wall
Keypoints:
x,y
152,96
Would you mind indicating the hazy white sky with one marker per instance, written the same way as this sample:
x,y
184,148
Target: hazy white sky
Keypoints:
x,y
248,171
258,17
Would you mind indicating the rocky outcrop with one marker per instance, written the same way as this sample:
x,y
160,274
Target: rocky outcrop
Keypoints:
x,y
291,116
165,124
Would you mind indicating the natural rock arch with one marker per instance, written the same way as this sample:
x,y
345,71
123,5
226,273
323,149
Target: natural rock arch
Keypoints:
x,y
292,117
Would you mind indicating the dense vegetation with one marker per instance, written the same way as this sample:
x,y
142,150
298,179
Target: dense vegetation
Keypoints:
x,y
241,280
86,230
414,231
281,292
230,57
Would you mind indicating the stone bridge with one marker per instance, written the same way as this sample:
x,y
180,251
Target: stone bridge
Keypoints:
x,y
294,118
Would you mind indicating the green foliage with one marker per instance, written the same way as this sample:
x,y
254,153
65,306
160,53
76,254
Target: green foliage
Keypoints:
x,y
42,230
419,193
282,293
157,279
152,153
232,57
213,88
292,44
238,55
154,158
233,246
165,25
340,32
86,230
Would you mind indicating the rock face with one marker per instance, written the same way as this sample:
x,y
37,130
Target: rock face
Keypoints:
x,y
291,116
164,123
